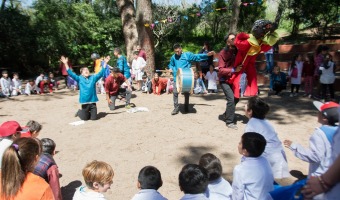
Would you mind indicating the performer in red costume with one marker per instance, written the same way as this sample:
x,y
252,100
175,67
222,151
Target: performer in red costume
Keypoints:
x,y
263,37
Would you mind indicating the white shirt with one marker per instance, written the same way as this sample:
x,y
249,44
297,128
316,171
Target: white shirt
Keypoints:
x,y
16,84
318,154
6,86
148,194
219,189
212,78
297,80
4,144
29,88
273,152
327,76
83,193
138,67
253,179
200,196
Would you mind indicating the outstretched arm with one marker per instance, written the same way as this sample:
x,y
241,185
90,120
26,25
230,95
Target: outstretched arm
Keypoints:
x,y
64,60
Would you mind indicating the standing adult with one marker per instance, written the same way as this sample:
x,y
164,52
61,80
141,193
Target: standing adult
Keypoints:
x,y
183,61
141,52
122,63
226,69
204,65
63,70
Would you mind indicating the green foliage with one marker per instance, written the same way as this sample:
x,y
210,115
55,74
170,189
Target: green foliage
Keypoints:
x,y
249,14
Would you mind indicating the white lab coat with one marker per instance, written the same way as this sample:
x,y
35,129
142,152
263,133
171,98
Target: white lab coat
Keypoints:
x,y
16,85
149,194
138,68
212,78
6,86
219,189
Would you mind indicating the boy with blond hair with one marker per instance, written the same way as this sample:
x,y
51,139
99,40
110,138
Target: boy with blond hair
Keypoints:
x,y
98,177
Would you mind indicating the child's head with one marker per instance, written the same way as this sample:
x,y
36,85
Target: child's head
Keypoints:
x,y
4,73
212,164
10,130
117,51
98,176
328,57
324,49
15,75
328,113
252,144
256,108
41,74
309,58
50,75
34,127
135,54
84,71
31,82
276,70
144,77
149,178
48,146
171,77
156,76
196,75
193,179
296,57
211,68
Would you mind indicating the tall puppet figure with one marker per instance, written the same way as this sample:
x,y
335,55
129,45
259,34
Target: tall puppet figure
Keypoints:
x,y
263,37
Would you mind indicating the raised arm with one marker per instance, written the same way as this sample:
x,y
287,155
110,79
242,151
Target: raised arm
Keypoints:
x,y
64,60
102,71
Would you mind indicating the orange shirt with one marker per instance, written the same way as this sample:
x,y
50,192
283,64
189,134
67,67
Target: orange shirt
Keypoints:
x,y
97,66
161,84
34,188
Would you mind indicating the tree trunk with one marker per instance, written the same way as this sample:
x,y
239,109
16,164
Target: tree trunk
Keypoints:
x,y
235,16
146,40
282,6
3,4
127,13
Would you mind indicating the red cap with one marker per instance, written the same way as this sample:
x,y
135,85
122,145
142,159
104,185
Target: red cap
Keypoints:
x,y
328,110
9,128
323,106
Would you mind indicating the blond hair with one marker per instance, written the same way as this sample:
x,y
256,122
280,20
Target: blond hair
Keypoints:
x,y
97,171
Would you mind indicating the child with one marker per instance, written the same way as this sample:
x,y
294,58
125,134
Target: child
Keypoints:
x,y
295,74
113,88
327,77
256,110
320,151
6,84
53,84
149,181
212,78
138,65
44,85
253,178
170,84
16,85
146,84
278,80
9,131
37,82
218,188
32,129
199,87
193,181
98,177
308,74
30,87
87,87
158,84
47,168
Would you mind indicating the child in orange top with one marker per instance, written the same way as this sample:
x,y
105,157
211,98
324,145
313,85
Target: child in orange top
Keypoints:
x,y
158,84
32,129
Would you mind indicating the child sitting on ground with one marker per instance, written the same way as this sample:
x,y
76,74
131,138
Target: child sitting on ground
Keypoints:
x,y
53,84
38,80
149,181
146,84
98,177
218,188
170,85
30,87
212,78
320,150
16,85
47,167
32,129
158,84
253,178
6,84
256,110
193,181
44,86
199,87
9,131
278,81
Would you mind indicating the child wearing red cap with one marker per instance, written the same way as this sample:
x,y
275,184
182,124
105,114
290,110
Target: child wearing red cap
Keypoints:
x,y
9,131
319,152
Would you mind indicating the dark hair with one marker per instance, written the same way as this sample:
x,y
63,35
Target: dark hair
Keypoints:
x,y
144,76
30,80
294,59
48,145
4,72
324,48
34,126
193,179
254,143
118,50
258,107
227,36
212,164
150,178
176,46
318,50
15,73
207,44
115,70
18,159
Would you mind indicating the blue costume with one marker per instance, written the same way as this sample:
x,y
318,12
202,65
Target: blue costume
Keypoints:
x,y
123,66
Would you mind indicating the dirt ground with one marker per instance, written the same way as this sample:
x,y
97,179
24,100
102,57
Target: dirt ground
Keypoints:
x,y
130,141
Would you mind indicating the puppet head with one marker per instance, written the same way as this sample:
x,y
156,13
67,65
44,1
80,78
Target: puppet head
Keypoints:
x,y
261,27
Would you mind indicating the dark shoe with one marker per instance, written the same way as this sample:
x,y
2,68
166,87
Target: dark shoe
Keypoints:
x,y
232,126
175,111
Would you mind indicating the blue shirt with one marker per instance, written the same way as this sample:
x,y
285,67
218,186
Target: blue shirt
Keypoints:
x,y
87,86
123,67
280,78
107,69
184,61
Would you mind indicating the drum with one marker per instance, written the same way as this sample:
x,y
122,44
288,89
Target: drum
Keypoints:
x,y
185,80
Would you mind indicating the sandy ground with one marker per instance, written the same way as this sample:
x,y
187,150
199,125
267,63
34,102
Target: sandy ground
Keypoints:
x,y
130,141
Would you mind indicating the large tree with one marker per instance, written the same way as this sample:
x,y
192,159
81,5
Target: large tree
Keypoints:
x,y
234,16
127,12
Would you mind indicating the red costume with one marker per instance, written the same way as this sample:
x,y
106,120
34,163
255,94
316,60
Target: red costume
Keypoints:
x,y
161,84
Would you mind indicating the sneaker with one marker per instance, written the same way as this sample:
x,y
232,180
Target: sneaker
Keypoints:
x,y
232,126
291,95
175,111
127,106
